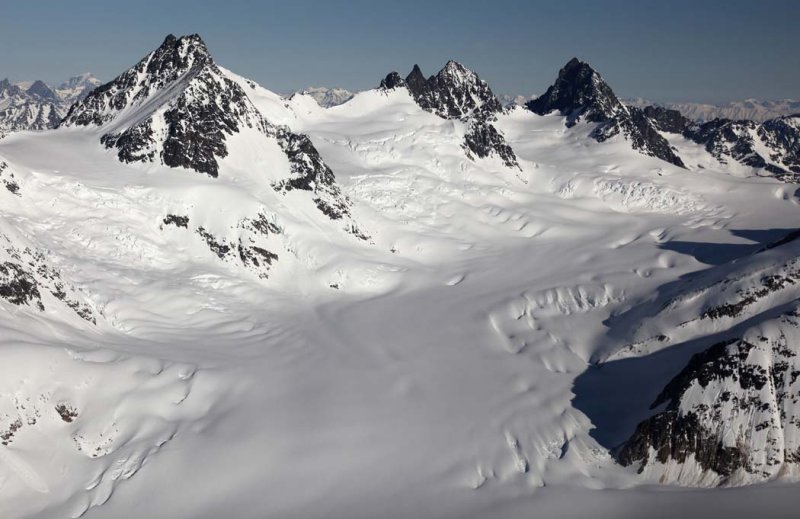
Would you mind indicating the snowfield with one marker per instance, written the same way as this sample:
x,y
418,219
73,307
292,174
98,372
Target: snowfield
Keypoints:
x,y
479,347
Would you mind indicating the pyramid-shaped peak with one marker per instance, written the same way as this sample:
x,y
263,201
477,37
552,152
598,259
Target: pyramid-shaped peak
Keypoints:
x,y
454,67
40,89
179,53
183,58
576,70
416,82
575,63
455,72
578,91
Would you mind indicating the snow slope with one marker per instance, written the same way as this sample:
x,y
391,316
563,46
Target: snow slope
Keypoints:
x,y
439,362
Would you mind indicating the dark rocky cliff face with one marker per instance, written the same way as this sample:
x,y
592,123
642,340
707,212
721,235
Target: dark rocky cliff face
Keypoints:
x,y
579,93
456,92
734,410
666,120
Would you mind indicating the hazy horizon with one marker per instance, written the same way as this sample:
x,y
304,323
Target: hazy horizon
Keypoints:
x,y
715,52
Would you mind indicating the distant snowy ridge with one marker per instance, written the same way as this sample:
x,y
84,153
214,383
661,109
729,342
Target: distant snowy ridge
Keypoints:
x,y
752,109
327,97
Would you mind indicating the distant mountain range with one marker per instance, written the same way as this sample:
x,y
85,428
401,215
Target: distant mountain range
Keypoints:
x,y
35,105
751,109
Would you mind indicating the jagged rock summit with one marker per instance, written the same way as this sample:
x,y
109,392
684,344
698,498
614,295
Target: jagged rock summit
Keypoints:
x,y
773,145
581,94
456,92
175,106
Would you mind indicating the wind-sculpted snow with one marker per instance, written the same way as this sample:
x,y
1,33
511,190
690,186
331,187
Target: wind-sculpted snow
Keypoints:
x,y
100,414
524,320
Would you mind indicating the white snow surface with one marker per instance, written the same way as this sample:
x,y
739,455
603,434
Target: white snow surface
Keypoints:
x,y
429,372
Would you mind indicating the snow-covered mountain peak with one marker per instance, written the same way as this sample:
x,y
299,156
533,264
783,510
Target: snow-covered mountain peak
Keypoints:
x,y
40,89
7,88
457,92
76,88
33,109
457,72
80,80
176,59
176,55
177,108
174,105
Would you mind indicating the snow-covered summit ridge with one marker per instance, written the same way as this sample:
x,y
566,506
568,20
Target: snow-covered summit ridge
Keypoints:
x,y
176,58
456,92
327,97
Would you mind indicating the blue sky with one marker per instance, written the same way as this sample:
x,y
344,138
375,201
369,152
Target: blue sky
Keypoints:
x,y
675,50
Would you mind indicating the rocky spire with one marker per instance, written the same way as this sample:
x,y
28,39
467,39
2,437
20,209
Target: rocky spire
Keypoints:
x,y
578,92
581,94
